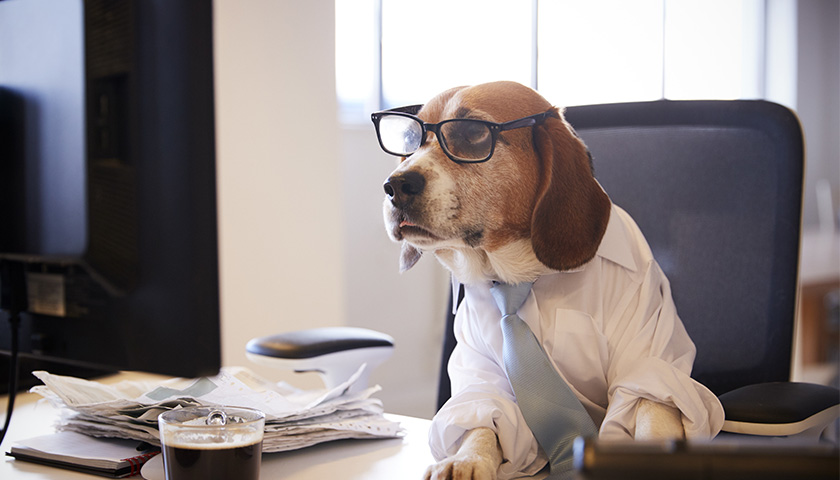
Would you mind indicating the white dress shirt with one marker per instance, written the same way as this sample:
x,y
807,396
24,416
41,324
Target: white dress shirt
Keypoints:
x,y
611,330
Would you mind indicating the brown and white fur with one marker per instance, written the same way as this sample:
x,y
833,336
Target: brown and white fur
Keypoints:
x,y
534,208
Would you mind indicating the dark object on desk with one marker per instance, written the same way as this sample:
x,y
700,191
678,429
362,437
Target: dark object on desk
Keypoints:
x,y
718,460
716,187
109,196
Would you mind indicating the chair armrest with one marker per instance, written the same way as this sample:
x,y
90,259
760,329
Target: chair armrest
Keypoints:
x,y
780,409
334,352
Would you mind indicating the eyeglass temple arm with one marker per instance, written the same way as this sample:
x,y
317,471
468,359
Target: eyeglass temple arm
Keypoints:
x,y
529,121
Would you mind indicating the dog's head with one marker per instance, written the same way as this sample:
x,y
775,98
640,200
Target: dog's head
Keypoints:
x,y
537,185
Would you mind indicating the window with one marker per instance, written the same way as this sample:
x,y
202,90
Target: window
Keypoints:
x,y
356,56
713,49
600,51
392,52
446,43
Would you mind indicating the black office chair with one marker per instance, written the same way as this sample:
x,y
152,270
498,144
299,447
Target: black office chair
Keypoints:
x,y
716,188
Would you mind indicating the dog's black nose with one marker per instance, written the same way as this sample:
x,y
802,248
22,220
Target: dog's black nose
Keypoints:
x,y
403,186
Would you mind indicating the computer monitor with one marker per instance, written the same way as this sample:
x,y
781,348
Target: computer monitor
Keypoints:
x,y
108,184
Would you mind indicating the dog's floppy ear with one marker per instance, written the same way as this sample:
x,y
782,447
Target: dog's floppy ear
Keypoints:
x,y
408,256
571,211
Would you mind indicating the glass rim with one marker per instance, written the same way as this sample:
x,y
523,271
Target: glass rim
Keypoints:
x,y
249,416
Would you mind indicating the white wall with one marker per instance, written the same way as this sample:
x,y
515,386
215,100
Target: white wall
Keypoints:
x,y
281,248
301,235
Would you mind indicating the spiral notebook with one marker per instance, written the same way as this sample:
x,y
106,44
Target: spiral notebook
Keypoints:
x,y
107,457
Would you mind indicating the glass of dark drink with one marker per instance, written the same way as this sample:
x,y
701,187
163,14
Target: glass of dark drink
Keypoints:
x,y
209,443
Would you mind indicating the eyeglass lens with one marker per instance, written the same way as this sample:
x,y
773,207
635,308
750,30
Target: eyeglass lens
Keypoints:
x,y
466,139
400,135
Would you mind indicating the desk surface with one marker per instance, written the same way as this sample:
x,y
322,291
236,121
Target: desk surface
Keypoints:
x,y
346,459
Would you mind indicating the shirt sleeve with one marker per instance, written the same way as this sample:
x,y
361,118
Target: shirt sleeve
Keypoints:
x,y
482,397
651,357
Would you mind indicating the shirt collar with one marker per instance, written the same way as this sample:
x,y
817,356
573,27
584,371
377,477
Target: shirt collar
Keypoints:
x,y
615,245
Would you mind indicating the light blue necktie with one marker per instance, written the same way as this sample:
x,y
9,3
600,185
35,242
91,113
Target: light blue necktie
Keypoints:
x,y
551,409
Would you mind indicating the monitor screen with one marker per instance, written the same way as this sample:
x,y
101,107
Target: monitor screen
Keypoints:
x,y
108,184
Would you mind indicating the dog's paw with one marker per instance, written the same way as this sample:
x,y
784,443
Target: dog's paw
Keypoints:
x,y
478,458
462,467
656,421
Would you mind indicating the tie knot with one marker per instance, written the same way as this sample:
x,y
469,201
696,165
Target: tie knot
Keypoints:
x,y
509,297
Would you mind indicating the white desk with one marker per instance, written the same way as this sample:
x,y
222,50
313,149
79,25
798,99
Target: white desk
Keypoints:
x,y
406,457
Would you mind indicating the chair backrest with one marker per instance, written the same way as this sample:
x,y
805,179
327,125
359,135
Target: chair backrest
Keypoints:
x,y
716,187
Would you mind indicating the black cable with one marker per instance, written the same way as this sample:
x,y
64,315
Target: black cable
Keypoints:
x,y
13,300
14,324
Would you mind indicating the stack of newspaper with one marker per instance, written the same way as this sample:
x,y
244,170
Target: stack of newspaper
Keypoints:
x,y
294,418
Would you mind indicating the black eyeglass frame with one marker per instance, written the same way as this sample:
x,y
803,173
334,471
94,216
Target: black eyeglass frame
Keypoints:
x,y
495,129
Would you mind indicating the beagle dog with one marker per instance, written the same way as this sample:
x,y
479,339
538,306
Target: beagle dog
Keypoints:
x,y
509,198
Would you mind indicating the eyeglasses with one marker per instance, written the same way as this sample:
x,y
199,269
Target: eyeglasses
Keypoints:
x,y
463,140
